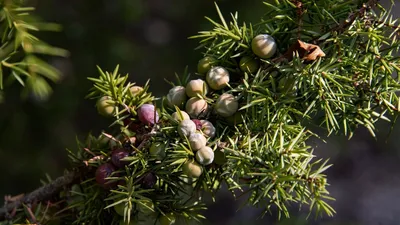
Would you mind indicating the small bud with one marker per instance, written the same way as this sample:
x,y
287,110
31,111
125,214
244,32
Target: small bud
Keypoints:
x,y
197,141
207,128
264,46
249,64
146,114
104,171
195,87
205,64
217,78
135,90
157,150
176,96
192,169
105,106
186,128
179,118
205,156
117,155
195,106
167,219
226,105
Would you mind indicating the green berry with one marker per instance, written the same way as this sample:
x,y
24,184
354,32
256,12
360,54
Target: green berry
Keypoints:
x,y
249,64
205,64
217,77
146,207
167,219
106,106
264,46
192,169
135,90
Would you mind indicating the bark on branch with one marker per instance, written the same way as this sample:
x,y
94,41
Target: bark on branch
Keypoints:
x,y
41,194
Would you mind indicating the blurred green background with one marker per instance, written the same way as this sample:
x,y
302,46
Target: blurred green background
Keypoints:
x,y
149,41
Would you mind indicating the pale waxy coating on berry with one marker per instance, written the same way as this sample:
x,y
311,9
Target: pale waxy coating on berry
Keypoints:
x,y
226,105
264,46
135,90
196,87
106,106
195,106
205,64
197,141
217,78
146,114
186,128
207,128
205,156
192,169
176,116
176,96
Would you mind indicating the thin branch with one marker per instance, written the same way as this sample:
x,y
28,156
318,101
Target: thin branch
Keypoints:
x,y
41,194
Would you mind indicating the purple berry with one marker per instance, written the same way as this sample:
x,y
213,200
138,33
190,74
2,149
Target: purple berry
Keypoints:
x,y
104,171
149,180
198,124
116,157
146,114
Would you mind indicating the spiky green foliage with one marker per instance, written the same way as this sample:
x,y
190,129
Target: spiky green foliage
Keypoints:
x,y
21,50
335,68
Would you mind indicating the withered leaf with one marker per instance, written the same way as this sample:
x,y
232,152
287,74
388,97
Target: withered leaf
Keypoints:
x,y
306,51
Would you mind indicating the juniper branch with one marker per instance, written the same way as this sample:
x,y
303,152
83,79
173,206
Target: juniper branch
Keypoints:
x,y
41,194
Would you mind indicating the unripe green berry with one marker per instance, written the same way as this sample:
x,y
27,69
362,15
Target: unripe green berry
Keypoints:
x,y
226,105
135,90
119,209
157,150
264,46
176,96
186,128
195,106
196,87
179,118
197,141
146,207
249,64
106,106
167,219
205,156
192,169
207,128
217,77
205,64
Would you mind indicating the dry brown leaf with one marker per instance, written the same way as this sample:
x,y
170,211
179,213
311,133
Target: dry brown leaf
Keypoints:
x,y
308,52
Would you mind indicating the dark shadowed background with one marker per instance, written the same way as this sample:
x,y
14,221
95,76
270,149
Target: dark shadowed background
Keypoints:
x,y
149,41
